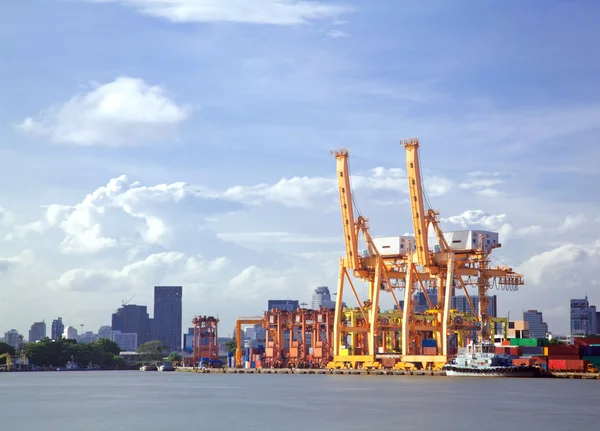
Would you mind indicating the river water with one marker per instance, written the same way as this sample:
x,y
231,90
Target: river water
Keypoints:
x,y
133,400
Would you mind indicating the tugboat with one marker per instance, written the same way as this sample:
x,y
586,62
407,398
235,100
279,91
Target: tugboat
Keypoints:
x,y
480,360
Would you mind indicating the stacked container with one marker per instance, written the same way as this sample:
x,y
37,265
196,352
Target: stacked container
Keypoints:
x,y
429,347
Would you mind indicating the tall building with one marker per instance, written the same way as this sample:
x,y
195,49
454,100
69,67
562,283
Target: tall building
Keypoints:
x,y
104,332
167,315
283,304
322,298
461,303
58,328
583,317
37,332
598,322
132,319
70,333
14,339
127,342
537,327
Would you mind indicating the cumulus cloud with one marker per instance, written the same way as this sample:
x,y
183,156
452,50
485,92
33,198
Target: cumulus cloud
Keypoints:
x,y
151,270
479,218
571,222
278,12
126,111
483,184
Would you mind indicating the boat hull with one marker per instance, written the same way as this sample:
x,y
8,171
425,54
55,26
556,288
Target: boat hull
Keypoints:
x,y
492,372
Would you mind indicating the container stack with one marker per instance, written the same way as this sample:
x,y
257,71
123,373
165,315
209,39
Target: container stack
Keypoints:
x,y
589,349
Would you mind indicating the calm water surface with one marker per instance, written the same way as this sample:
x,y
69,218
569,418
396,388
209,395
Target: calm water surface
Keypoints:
x,y
133,401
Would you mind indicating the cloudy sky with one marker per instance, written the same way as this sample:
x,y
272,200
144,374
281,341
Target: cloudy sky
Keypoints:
x,y
188,142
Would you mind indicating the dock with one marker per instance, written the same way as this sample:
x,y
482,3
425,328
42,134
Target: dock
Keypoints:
x,y
578,376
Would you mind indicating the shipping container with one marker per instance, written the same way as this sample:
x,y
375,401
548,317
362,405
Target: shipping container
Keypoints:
x,y
586,341
595,360
589,350
429,343
533,350
432,351
567,365
561,349
531,342
506,342
523,362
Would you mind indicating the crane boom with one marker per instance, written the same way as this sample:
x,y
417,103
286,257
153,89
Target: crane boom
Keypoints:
x,y
350,231
415,188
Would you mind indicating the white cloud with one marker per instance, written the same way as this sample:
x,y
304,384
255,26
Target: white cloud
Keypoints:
x,y
275,237
279,12
482,184
336,34
126,111
571,222
151,270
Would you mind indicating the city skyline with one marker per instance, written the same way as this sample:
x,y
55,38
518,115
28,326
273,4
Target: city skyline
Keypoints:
x,y
186,147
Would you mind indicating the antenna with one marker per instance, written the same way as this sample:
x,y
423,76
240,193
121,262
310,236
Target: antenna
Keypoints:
x,y
124,303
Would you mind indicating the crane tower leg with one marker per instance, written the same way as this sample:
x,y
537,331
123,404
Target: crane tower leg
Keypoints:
x,y
447,296
374,312
407,309
337,339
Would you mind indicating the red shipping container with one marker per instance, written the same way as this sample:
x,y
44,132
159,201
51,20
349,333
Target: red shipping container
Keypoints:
x,y
501,350
430,351
523,361
506,343
542,360
580,341
562,349
567,365
515,351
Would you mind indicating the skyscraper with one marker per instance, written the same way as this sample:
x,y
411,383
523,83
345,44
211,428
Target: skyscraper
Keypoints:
x,y
583,317
132,318
57,328
167,315
37,332
537,327
283,304
322,298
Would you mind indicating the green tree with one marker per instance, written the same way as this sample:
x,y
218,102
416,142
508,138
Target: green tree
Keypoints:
x,y
152,351
231,346
109,346
7,348
118,362
174,357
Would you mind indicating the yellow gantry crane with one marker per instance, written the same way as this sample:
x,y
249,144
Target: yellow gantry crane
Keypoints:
x,y
371,268
469,257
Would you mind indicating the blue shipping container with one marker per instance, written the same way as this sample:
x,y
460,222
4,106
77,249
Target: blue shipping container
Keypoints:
x,y
531,350
590,351
429,343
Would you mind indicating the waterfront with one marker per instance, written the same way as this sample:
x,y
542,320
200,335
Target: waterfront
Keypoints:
x,y
135,401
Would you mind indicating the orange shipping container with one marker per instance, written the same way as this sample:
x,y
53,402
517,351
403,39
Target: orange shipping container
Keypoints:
x,y
432,351
523,361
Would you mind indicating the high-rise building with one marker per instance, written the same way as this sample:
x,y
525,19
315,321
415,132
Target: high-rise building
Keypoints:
x,y
598,322
461,303
537,327
58,328
283,304
14,339
132,319
37,332
104,332
167,315
583,317
322,298
126,341
70,333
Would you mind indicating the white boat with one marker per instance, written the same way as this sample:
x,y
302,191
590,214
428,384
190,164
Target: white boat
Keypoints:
x,y
166,367
480,360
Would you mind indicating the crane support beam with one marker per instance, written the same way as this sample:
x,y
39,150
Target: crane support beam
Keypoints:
x,y
415,188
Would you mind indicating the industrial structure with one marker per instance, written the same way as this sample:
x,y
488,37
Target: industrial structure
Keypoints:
x,y
364,336
205,341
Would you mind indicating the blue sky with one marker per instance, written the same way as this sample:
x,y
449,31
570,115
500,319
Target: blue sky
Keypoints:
x,y
222,128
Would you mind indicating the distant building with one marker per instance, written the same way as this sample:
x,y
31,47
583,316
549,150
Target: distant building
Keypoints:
x,y
70,333
322,298
104,332
597,322
188,340
58,328
537,327
37,332
132,318
14,339
461,303
126,341
87,337
583,317
168,315
283,304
